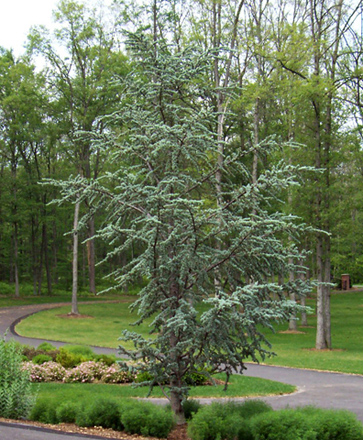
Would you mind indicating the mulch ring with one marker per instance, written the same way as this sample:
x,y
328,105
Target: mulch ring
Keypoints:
x,y
178,433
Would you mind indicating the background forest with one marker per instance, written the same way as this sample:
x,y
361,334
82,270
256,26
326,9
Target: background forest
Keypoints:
x,y
292,69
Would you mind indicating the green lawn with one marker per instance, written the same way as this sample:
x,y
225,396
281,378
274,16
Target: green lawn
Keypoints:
x,y
294,350
240,386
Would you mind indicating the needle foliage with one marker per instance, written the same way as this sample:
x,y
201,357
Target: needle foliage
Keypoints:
x,y
196,241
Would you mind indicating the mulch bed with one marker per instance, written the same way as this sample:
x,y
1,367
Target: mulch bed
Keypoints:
x,y
178,433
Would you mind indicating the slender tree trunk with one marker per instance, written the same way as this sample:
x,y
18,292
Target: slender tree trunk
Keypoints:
x,y
91,256
304,316
75,261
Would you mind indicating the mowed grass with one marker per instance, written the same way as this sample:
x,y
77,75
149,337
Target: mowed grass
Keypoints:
x,y
298,350
293,350
101,324
239,386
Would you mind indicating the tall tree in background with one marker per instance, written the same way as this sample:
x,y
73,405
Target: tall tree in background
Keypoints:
x,y
83,59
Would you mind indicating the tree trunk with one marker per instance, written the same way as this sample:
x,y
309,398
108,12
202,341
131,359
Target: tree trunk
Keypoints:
x,y
75,261
91,256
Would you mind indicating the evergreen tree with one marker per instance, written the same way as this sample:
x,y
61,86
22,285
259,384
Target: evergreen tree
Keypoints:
x,y
163,198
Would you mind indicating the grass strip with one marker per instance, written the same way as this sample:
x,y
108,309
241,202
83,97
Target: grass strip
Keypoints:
x,y
239,386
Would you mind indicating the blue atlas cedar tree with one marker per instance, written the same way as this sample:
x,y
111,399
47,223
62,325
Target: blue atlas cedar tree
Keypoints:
x,y
162,199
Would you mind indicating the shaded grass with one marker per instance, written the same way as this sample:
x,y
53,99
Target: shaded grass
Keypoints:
x,y
240,386
102,329
298,350
293,350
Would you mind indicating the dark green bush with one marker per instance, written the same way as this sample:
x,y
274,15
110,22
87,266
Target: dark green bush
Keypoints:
x,y
46,346
41,359
216,421
16,396
69,360
147,419
101,412
106,359
44,411
145,376
286,424
251,408
196,379
67,412
333,424
31,352
190,407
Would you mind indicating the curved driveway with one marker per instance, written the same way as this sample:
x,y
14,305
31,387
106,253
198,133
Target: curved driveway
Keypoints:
x,y
326,390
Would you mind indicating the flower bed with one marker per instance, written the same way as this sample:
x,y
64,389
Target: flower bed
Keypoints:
x,y
86,372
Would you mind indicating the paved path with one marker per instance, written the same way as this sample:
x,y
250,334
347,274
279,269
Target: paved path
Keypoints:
x,y
326,390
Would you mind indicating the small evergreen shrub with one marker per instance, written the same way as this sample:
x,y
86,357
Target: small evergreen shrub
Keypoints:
x,y
81,350
46,346
190,407
68,359
106,359
67,412
40,359
44,411
285,424
101,412
16,396
333,424
31,352
144,376
251,408
216,421
147,419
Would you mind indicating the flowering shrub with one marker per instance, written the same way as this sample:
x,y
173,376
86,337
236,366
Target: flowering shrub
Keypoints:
x,y
86,372
47,372
113,374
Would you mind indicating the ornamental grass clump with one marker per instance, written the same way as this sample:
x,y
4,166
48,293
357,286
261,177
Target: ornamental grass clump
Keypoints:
x,y
16,396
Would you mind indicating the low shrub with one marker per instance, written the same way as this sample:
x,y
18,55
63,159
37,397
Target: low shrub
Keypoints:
x,y
70,360
87,372
67,412
113,374
81,350
16,396
147,419
106,359
190,407
333,424
44,411
40,359
101,412
47,372
216,421
30,352
251,408
285,424
46,346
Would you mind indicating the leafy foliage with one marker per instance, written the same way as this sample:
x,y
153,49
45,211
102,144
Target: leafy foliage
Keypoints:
x,y
146,419
16,397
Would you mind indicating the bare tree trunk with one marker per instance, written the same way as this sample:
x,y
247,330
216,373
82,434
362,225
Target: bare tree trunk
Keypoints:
x,y
91,256
75,261
304,316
